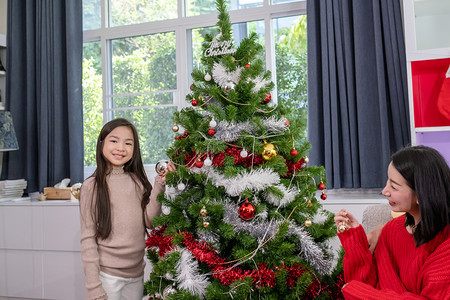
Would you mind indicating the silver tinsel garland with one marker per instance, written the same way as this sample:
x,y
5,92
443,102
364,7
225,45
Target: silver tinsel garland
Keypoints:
x,y
224,78
189,277
232,131
259,82
255,180
288,196
262,230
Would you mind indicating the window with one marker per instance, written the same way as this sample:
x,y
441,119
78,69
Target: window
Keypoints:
x,y
138,56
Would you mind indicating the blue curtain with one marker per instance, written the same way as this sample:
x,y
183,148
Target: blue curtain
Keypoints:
x,y
44,91
357,89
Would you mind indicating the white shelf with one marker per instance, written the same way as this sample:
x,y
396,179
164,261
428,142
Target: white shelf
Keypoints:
x,y
428,54
432,129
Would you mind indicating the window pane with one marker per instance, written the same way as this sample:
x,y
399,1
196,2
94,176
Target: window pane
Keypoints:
x,y
291,64
125,12
240,31
92,99
91,14
199,7
143,100
144,64
154,127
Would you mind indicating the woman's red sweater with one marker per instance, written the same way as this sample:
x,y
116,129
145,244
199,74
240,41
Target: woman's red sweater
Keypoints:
x,y
398,269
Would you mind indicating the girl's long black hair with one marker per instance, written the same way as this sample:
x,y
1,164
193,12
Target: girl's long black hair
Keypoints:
x,y
102,210
428,175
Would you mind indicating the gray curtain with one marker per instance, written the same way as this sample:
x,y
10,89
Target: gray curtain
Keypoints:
x,y
357,87
44,92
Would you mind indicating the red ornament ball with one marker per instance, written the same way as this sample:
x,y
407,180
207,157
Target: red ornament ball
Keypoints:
x,y
199,164
287,123
247,66
294,152
323,196
211,132
194,102
247,211
267,99
321,186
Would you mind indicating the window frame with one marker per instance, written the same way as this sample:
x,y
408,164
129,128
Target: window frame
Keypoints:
x,y
182,27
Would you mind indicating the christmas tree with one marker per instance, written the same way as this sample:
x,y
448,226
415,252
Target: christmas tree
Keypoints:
x,y
242,220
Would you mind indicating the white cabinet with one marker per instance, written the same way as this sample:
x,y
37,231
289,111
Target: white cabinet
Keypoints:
x,y
427,40
40,254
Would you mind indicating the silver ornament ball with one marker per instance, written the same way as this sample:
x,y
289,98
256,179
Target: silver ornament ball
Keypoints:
x,y
161,166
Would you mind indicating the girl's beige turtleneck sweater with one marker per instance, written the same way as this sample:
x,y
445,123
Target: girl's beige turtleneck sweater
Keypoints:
x,y
122,253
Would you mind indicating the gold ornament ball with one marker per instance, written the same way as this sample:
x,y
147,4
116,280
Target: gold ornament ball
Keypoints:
x,y
306,159
269,151
342,227
175,128
205,224
203,211
308,222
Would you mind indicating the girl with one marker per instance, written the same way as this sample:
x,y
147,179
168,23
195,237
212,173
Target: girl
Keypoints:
x,y
115,212
411,257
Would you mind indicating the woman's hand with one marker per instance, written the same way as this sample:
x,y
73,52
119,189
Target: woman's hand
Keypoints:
x,y
344,217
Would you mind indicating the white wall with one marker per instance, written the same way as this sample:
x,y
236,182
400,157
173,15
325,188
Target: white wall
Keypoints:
x,y
3,10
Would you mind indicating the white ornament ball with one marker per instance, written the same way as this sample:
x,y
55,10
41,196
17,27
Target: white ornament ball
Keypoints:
x,y
169,290
207,77
244,153
170,190
212,123
181,186
207,162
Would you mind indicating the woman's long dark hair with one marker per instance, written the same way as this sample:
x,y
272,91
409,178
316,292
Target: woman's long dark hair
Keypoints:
x,y
102,210
428,175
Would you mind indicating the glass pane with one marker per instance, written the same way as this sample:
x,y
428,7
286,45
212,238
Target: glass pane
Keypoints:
x,y
91,14
240,31
143,100
199,7
92,99
154,126
291,65
125,12
432,20
144,64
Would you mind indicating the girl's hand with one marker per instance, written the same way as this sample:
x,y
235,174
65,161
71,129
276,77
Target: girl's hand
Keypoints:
x,y
170,168
344,217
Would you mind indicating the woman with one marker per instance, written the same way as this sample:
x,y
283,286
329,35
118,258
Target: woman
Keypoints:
x,y
413,250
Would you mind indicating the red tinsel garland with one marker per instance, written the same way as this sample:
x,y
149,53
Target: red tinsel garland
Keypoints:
x,y
218,159
157,239
248,161
294,166
262,276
